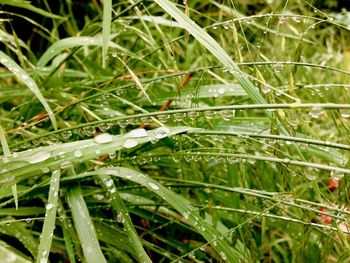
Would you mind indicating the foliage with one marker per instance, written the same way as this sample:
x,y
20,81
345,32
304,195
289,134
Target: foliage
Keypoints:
x,y
159,131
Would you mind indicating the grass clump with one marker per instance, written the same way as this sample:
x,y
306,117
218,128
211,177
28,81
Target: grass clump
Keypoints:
x,y
158,131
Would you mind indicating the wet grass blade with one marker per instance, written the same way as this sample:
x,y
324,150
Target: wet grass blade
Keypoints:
x,y
209,43
50,219
31,162
71,42
28,6
106,28
180,204
84,226
124,217
29,82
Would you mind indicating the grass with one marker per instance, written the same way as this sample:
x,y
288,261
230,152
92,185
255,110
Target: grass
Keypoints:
x,y
159,131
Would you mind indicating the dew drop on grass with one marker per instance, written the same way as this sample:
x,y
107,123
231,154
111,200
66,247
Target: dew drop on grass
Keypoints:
x,y
49,206
179,117
316,112
109,183
130,143
78,153
137,133
223,255
163,118
112,155
103,138
345,113
123,123
38,157
208,114
103,127
153,186
192,115
162,132
89,130
277,67
227,115
66,134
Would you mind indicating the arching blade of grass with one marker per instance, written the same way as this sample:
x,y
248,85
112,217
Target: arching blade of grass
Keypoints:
x,y
29,163
28,6
179,203
10,227
70,42
209,43
9,254
29,82
106,28
84,226
50,219
6,151
124,217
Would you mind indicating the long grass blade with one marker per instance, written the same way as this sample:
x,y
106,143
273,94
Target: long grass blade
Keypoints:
x,y
84,226
50,219
182,205
29,82
106,28
124,217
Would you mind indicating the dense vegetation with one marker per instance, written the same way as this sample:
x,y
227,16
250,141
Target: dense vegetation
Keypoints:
x,y
165,131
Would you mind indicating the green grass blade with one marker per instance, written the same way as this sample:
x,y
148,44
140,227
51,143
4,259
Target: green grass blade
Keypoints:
x,y
106,28
84,226
209,43
50,219
28,6
31,162
70,42
124,217
6,151
179,203
29,82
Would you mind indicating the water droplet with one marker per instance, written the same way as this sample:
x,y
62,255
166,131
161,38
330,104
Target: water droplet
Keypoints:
x,y
112,155
103,138
277,67
227,115
103,127
208,114
123,123
162,132
153,186
146,120
345,113
5,159
223,255
78,153
66,134
316,112
137,133
38,157
179,117
163,118
109,183
130,143
49,206
192,115
89,130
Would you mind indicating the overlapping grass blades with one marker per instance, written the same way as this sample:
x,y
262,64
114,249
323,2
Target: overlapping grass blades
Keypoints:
x,y
29,82
181,205
30,163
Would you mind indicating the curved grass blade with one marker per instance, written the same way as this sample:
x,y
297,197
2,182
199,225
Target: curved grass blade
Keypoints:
x,y
50,219
123,217
179,203
6,151
84,226
209,43
30,163
106,28
10,227
70,42
9,254
29,82
28,6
